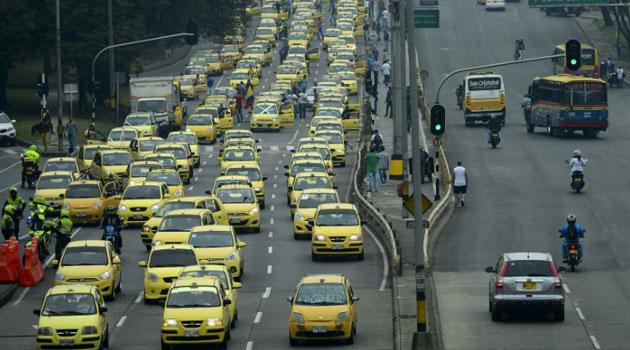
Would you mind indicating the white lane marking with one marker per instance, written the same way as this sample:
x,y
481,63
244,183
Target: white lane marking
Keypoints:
x,y
294,136
580,314
316,71
250,345
210,156
566,288
266,293
258,316
595,343
190,188
9,167
271,221
200,170
34,326
279,162
270,234
19,299
273,207
121,322
196,178
220,80
10,151
139,298
284,154
275,176
204,162
277,168
6,188
270,250
275,185
269,268
385,263
274,148
273,196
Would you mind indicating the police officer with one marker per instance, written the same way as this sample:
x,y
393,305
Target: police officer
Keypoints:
x,y
18,208
111,179
7,222
64,230
111,218
29,157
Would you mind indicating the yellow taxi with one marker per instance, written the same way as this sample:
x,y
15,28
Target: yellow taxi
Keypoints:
x,y
224,97
214,65
221,272
342,55
221,116
304,181
319,119
121,137
305,166
243,142
336,143
337,67
170,177
52,187
298,39
293,72
189,138
167,160
305,209
324,307
87,199
141,200
242,77
106,161
137,171
305,156
266,33
252,64
231,53
90,262
336,231
346,27
238,155
143,122
186,86
86,154
349,81
203,126
198,76
236,134
203,299
183,158
265,56
62,164
228,180
73,317
269,12
312,140
142,146
253,173
331,125
241,205
176,224
321,149
218,244
330,35
265,115
162,268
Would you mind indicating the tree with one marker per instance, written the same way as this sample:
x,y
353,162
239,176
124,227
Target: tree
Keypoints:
x,y
621,17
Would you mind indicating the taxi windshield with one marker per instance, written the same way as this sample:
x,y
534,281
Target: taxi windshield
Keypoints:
x,y
297,36
269,108
287,69
179,153
167,162
312,200
337,217
212,59
307,167
328,126
185,82
297,49
321,294
90,152
214,112
208,273
69,304
239,154
240,76
79,256
186,138
141,170
193,71
50,182
199,121
304,183
170,206
211,239
327,112
323,151
83,191
70,166
330,103
230,49
117,135
149,145
219,183
332,32
229,93
117,159
194,296
172,257
331,137
137,120
252,174
348,76
142,192
179,223
344,26
236,195
256,49
169,178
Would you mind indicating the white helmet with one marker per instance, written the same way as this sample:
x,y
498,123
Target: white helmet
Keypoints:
x,y
571,218
577,153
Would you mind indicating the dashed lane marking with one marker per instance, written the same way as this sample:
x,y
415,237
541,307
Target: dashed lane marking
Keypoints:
x,y
266,293
271,221
190,188
269,268
139,298
277,168
385,263
580,314
196,178
273,207
273,196
10,151
270,250
566,288
9,167
258,316
121,322
250,345
275,185
204,162
270,234
595,343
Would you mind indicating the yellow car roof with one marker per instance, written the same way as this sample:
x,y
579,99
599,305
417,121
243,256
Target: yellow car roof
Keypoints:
x,y
194,211
320,190
337,206
61,159
149,138
57,173
322,279
85,182
71,288
87,243
172,247
113,151
205,228
211,267
197,281
144,183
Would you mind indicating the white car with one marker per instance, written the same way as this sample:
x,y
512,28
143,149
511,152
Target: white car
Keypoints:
x,y
495,5
7,131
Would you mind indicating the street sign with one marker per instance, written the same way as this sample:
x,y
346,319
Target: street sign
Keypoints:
x,y
70,92
426,204
426,18
550,3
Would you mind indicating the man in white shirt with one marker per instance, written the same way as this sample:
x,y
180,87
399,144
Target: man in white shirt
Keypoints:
x,y
387,71
460,182
385,17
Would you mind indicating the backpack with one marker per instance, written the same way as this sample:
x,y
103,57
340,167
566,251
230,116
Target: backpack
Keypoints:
x,y
572,233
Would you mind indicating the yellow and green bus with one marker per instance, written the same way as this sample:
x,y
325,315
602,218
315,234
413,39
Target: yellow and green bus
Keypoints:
x,y
590,62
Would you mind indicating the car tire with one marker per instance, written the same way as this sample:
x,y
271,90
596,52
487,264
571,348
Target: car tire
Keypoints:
x,y
489,305
314,256
262,205
257,229
361,256
165,346
559,316
296,236
148,301
119,287
496,315
112,297
343,164
351,339
105,344
224,343
292,342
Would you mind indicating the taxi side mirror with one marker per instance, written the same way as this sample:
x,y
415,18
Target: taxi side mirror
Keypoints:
x,y
562,269
363,222
208,192
167,195
286,166
220,159
308,126
293,206
264,178
116,260
334,187
242,244
237,285
290,299
102,309
62,195
310,222
37,312
227,301
55,262
290,188
489,269
286,174
154,230
355,298
117,197
142,263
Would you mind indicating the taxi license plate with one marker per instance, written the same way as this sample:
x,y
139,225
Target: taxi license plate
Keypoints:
x,y
578,180
319,329
66,342
529,285
81,213
573,251
193,333
137,217
235,221
337,246
485,108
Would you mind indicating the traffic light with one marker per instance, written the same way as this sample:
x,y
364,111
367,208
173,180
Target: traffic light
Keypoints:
x,y
438,120
42,85
573,55
192,28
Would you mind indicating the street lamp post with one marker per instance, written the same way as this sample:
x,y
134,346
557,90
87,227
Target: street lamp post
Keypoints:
x,y
59,78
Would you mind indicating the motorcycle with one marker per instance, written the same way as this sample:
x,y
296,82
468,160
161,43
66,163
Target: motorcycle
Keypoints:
x,y
31,174
577,181
573,255
43,241
494,138
114,237
35,221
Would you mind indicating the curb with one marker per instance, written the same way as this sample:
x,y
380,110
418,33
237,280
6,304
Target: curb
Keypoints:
x,y
7,294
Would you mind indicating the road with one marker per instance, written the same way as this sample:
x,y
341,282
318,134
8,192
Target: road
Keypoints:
x,y
274,262
519,194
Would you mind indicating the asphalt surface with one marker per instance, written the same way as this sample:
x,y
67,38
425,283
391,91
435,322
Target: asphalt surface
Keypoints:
x,y
519,194
274,262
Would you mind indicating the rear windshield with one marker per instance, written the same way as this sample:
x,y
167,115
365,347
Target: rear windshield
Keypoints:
x,y
252,173
304,183
530,268
172,257
142,170
206,273
170,179
149,145
312,200
178,223
211,239
117,159
83,191
62,166
179,153
77,256
51,182
187,138
170,206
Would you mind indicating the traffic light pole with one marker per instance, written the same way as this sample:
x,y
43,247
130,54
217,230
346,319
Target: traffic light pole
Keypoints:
x,y
122,45
59,78
397,82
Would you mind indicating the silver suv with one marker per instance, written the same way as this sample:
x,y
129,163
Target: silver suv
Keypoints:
x,y
525,281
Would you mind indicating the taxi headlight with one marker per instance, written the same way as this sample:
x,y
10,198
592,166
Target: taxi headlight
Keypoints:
x,y
356,237
122,207
257,189
295,200
342,317
66,205
155,207
298,318
153,277
187,129
97,205
231,256
299,216
253,211
146,228
209,130
146,131
105,275
44,331
89,330
169,322
60,276
178,193
154,243
214,322
320,237
133,182
184,166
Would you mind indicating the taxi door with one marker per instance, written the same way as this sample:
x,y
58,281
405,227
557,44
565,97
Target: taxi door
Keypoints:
x,y
226,64
226,121
359,32
313,54
268,56
254,79
110,197
96,169
134,149
81,158
287,115
360,66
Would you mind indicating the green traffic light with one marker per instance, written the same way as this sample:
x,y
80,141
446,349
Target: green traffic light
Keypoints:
x,y
573,61
438,127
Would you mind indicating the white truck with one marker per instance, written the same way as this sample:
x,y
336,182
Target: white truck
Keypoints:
x,y
159,96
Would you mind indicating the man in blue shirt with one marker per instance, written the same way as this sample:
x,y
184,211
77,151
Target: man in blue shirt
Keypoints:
x,y
571,232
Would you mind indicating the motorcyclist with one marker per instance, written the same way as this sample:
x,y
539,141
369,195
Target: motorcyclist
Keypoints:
x,y
571,232
493,125
64,231
18,205
38,204
30,157
577,163
7,222
111,179
111,218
